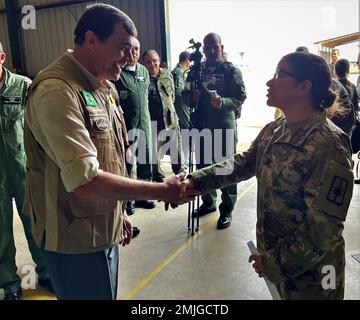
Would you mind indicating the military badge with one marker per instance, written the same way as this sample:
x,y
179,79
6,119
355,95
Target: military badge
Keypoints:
x,y
89,98
123,94
101,124
11,99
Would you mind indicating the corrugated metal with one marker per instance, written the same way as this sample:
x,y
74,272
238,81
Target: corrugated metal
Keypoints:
x,y
39,2
54,30
4,38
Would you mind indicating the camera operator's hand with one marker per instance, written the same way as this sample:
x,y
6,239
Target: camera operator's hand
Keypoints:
x,y
216,101
195,95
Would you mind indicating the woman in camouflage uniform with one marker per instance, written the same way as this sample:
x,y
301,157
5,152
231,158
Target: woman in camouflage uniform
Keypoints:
x,y
303,165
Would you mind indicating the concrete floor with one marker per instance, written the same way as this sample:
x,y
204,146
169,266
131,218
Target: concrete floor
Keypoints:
x,y
166,262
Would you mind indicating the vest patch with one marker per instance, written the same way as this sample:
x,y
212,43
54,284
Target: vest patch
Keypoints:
x,y
11,99
123,94
89,98
101,124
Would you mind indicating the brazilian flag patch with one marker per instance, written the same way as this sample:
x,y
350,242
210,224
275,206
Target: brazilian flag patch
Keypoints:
x,y
89,98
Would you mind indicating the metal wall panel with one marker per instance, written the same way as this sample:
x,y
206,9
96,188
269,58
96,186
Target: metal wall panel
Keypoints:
x,y
4,38
54,30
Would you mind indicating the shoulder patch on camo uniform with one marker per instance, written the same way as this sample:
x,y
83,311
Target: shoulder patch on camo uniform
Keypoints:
x,y
336,190
89,98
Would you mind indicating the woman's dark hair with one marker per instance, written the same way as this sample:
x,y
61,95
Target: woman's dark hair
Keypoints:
x,y
342,69
308,66
101,19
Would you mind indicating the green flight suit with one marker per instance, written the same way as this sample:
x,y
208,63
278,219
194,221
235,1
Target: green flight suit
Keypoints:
x,y
12,179
133,89
228,83
182,104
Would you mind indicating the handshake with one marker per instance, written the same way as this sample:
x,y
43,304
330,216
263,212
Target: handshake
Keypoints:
x,y
178,190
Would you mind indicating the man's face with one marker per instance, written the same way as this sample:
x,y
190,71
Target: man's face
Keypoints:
x,y
334,55
135,51
2,58
152,63
2,61
112,55
212,49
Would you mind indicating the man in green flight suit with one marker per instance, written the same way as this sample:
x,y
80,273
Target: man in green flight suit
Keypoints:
x,y
133,87
182,96
13,89
220,98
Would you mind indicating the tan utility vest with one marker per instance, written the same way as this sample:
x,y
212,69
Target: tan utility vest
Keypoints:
x,y
72,225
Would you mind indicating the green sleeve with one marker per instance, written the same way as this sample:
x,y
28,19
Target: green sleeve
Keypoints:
x,y
236,91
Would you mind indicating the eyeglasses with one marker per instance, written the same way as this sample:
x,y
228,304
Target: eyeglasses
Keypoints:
x,y
283,72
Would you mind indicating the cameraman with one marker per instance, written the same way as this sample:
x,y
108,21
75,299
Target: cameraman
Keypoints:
x,y
218,110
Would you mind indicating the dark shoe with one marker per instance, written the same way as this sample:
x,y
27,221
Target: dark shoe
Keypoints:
x,y
224,222
203,210
146,204
136,232
46,284
357,181
130,208
13,295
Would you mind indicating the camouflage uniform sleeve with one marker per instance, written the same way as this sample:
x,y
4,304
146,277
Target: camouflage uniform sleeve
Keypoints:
x,y
236,92
327,195
238,168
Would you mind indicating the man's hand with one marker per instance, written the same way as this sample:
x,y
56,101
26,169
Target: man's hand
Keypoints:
x,y
127,231
257,265
187,193
216,101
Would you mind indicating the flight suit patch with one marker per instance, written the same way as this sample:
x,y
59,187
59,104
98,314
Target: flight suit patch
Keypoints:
x,y
123,94
11,99
89,98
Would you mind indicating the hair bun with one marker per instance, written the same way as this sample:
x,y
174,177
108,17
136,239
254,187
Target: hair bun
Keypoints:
x,y
329,99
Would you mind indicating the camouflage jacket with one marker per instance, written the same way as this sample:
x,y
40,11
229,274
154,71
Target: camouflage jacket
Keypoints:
x,y
305,183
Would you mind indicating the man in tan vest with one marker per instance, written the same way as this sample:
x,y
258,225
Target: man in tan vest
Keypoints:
x,y
75,141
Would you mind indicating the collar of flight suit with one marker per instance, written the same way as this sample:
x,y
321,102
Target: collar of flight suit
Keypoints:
x,y
297,136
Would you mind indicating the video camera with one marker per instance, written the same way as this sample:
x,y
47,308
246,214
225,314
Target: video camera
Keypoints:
x,y
196,56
